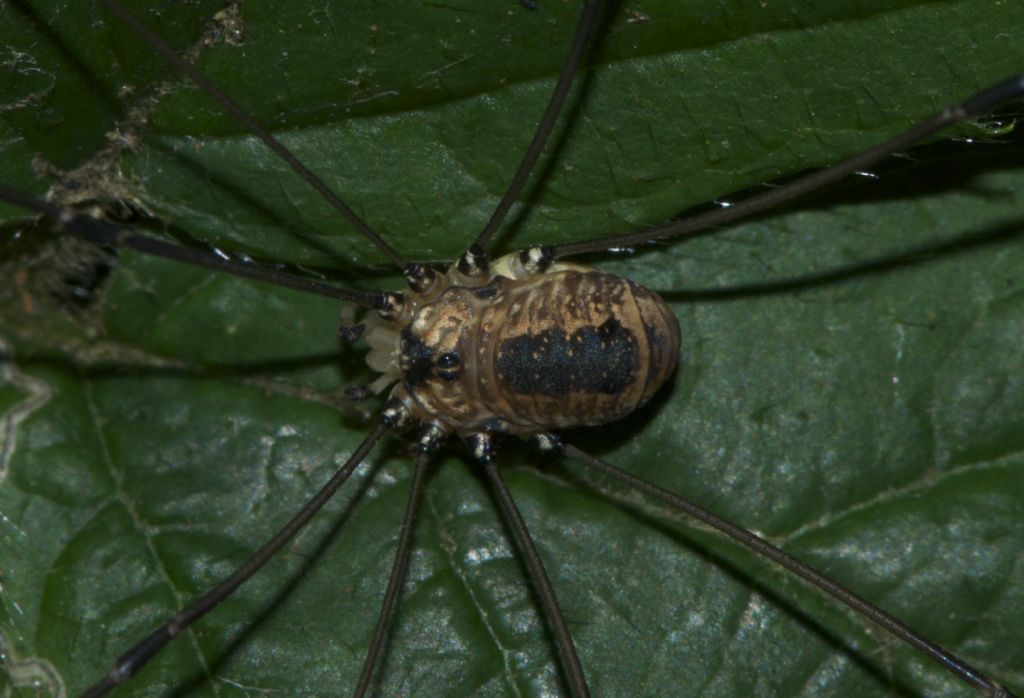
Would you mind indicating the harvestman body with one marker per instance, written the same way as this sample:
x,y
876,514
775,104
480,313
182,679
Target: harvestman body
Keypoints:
x,y
487,347
525,348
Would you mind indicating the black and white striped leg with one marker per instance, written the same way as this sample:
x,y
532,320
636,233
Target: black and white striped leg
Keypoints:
x,y
430,437
569,659
420,277
474,263
481,446
536,259
391,306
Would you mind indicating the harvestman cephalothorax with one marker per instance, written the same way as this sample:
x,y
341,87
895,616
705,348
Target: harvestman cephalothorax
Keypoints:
x,y
636,588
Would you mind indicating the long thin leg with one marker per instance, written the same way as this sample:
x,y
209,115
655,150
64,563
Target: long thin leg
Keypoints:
x,y
948,660
584,28
103,233
129,663
397,576
538,576
976,105
161,47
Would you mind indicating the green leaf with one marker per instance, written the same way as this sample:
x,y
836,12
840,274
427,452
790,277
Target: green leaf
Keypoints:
x,y
850,383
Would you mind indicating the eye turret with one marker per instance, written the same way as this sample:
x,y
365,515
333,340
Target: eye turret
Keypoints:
x,y
449,364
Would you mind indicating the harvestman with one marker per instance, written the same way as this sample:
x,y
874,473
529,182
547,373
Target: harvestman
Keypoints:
x,y
102,232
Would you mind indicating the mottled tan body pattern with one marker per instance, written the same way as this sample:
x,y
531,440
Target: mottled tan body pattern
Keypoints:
x,y
525,351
